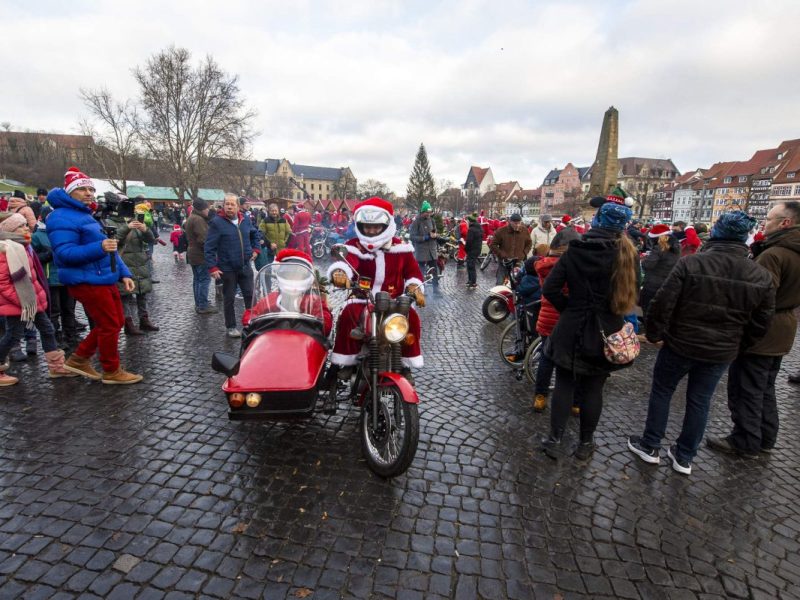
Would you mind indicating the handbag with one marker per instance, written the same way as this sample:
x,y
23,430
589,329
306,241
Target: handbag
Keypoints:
x,y
621,347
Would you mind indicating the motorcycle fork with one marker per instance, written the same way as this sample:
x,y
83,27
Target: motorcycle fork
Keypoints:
x,y
374,367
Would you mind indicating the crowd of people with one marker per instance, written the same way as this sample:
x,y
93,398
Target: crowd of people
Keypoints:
x,y
715,301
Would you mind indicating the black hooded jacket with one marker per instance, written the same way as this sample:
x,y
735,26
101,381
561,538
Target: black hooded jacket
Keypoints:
x,y
712,304
576,342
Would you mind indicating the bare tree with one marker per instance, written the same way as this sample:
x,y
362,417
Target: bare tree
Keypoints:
x,y
373,187
191,116
346,186
6,125
112,125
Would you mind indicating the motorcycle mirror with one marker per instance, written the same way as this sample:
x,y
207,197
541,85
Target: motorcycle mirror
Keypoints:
x,y
225,363
339,251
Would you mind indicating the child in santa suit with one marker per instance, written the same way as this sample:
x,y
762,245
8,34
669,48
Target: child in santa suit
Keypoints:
x,y
390,264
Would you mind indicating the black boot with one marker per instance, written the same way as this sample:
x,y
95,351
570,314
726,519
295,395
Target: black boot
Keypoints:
x,y
145,324
551,445
586,447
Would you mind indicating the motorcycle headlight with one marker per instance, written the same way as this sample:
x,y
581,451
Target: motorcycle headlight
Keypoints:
x,y
395,328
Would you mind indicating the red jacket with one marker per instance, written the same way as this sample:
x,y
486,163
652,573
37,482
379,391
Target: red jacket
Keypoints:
x,y
548,315
9,301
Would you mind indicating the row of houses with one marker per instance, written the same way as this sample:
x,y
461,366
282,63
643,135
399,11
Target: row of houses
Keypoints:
x,y
564,190
753,185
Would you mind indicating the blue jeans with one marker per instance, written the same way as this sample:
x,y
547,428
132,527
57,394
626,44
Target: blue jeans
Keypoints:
x,y
670,368
200,284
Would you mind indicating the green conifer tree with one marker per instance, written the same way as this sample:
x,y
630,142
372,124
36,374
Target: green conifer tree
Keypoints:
x,y
420,184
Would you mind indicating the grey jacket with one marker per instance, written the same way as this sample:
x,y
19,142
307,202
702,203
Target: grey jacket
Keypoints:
x,y
425,247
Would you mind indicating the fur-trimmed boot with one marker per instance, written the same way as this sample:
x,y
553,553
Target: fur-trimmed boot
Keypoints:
x,y
55,364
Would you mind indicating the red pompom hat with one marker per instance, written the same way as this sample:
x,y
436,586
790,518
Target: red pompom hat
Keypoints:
x,y
566,219
74,179
288,254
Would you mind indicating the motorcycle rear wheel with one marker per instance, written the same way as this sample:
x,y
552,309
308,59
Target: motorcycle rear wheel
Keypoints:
x,y
391,448
494,309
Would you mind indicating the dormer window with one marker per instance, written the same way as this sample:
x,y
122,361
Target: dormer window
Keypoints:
x,y
742,178
728,180
790,175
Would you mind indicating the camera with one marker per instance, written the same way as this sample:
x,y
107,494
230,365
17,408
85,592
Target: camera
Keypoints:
x,y
116,205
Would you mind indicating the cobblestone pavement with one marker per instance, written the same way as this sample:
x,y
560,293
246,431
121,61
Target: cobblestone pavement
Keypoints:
x,y
148,491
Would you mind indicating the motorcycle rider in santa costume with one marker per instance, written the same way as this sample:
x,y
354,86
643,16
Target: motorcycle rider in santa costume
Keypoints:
x,y
389,263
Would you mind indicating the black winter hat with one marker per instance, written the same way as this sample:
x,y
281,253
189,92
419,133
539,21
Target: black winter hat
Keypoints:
x,y
20,194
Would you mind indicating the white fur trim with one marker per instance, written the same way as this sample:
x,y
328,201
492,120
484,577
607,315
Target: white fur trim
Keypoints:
x,y
413,362
413,281
340,264
380,272
351,249
400,248
344,360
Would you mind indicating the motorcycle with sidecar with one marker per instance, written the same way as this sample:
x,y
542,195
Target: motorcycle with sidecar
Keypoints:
x,y
280,372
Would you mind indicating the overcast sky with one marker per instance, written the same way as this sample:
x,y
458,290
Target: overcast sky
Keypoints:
x,y
517,86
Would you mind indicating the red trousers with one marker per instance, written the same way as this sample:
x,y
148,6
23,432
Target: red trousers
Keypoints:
x,y
104,307
346,349
302,241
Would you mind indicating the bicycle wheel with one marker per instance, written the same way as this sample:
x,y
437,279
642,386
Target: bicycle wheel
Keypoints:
x,y
531,360
508,344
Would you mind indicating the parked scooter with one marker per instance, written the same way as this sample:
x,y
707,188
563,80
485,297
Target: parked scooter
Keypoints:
x,y
500,301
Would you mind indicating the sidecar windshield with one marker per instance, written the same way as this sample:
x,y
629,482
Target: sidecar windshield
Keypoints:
x,y
287,290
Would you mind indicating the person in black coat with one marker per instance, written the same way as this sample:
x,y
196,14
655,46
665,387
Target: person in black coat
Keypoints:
x,y
601,273
658,264
473,249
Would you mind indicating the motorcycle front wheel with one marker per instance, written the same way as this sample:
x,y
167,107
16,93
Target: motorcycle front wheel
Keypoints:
x,y
391,447
494,309
318,250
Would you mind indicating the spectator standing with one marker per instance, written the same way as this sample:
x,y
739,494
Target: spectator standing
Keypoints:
x,y
39,202
473,247
423,237
659,262
544,232
18,203
712,303
601,273
134,238
23,296
510,242
84,257
275,231
751,377
231,243
196,232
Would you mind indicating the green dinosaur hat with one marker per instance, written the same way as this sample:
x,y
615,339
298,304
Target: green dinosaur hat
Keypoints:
x,y
425,207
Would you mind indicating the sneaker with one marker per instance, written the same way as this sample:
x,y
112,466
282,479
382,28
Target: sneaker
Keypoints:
x,y
648,455
7,380
724,444
681,466
584,451
208,310
234,333
81,366
17,355
121,377
539,402
4,366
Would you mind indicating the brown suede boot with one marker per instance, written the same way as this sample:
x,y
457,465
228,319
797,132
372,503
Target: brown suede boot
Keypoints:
x,y
81,366
145,324
131,328
55,365
120,377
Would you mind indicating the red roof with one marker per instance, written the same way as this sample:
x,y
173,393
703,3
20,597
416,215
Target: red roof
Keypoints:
x,y
479,173
792,165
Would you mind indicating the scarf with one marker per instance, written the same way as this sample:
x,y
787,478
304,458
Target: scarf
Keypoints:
x,y
20,269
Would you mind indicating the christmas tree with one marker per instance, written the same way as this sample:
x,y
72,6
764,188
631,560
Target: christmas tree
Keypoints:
x,y
420,184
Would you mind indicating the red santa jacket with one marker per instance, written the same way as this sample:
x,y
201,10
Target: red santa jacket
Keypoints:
x,y
391,269
302,222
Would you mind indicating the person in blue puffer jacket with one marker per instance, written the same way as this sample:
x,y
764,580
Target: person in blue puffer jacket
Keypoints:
x,y
83,255
231,243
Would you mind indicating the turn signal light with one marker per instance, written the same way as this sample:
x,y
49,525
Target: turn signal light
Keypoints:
x,y
410,339
253,399
236,400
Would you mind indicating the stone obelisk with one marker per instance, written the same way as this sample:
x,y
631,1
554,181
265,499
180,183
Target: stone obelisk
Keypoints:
x,y
606,165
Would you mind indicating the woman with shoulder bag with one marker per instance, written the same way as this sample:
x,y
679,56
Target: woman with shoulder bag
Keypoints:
x,y
601,272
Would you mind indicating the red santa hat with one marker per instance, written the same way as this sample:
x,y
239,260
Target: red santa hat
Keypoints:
x,y
176,227
292,255
566,219
74,179
659,230
376,202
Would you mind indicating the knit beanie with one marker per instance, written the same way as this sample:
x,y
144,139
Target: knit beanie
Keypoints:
x,y
612,216
13,222
734,226
425,207
74,179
